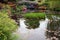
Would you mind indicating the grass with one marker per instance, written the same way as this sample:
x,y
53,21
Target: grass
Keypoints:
x,y
35,15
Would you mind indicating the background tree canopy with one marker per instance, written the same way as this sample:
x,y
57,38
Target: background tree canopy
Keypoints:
x,y
53,3
5,1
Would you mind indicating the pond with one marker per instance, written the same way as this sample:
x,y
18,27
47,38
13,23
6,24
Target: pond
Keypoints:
x,y
37,33
39,29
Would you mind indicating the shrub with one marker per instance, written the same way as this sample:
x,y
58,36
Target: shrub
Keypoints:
x,y
7,26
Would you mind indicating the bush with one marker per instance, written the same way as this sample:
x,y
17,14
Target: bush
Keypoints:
x,y
7,26
35,16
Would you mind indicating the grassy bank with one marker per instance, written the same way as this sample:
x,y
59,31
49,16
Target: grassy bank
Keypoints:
x,y
35,16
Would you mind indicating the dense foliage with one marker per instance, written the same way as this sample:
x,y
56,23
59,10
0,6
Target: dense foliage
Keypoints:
x,y
16,10
53,4
7,26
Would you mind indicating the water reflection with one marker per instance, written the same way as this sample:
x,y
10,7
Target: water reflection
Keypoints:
x,y
32,24
53,30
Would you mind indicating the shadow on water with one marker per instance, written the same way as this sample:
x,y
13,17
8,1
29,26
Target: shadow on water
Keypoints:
x,y
32,24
